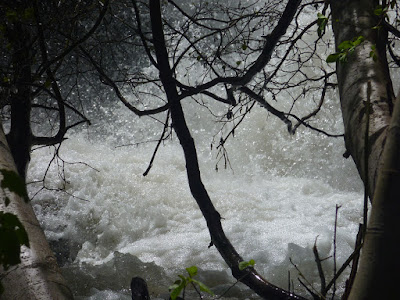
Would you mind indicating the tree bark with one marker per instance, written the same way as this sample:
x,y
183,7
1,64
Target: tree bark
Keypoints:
x,y
247,276
20,136
37,276
350,19
378,275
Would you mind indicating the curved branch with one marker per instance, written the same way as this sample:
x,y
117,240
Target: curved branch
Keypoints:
x,y
266,105
107,80
391,29
318,108
271,41
59,57
60,101
142,37
218,238
393,56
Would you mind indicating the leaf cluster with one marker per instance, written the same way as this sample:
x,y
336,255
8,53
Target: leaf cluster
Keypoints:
x,y
244,264
181,284
345,48
383,10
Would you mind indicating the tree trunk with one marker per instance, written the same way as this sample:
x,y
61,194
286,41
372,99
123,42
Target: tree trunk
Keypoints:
x,y
350,19
362,80
37,276
378,275
20,136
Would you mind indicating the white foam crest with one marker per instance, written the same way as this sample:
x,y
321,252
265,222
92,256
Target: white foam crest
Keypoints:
x,y
155,218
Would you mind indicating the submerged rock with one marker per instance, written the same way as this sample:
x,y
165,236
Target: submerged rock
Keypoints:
x,y
139,289
116,275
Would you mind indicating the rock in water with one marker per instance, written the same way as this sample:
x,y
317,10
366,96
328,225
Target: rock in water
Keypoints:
x,y
139,289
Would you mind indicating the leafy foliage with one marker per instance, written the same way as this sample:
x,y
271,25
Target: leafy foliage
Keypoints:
x,y
244,264
322,21
181,284
345,49
372,53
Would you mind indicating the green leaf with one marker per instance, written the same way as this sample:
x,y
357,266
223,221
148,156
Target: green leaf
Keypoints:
x,y
244,264
203,287
192,271
358,41
378,11
373,55
343,57
177,291
345,45
332,58
244,46
238,62
175,285
321,22
14,183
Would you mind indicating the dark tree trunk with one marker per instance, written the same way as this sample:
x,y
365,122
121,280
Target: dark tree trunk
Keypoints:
x,y
20,135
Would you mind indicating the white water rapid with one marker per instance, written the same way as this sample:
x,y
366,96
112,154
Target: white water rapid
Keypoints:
x,y
277,198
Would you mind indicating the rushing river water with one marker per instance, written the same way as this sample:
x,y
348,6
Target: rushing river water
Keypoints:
x,y
277,196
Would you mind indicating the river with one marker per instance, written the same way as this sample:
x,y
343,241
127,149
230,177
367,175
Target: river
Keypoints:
x,y
277,196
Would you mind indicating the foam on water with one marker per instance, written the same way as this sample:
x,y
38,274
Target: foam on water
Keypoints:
x,y
278,197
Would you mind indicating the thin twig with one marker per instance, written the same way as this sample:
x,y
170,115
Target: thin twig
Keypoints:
x,y
157,146
313,293
354,267
319,266
315,296
334,250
